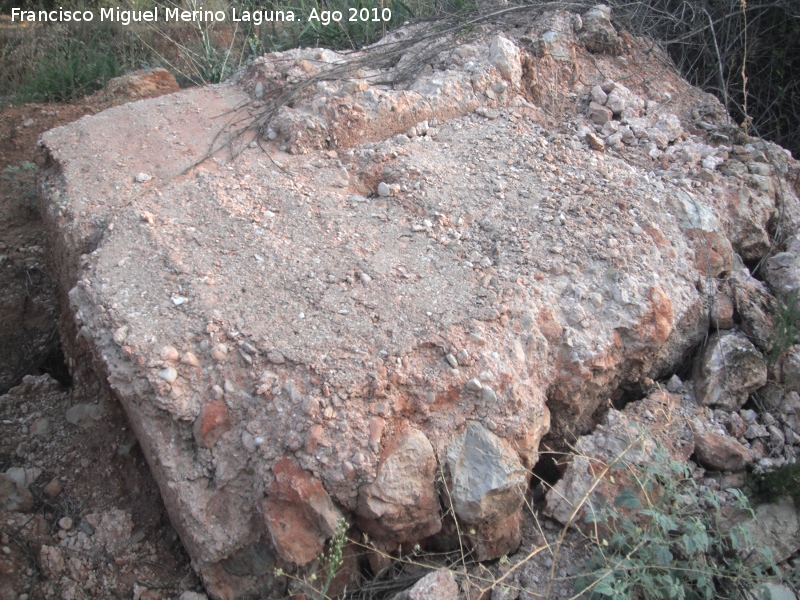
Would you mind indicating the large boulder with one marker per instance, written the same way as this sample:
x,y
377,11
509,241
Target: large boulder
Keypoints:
x,y
773,527
334,280
720,453
597,33
755,307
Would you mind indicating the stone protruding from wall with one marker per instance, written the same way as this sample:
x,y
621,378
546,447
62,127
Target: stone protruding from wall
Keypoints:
x,y
401,504
485,486
729,370
298,513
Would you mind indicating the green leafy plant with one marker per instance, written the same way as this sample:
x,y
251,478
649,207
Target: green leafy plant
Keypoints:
x,y
783,481
73,69
662,538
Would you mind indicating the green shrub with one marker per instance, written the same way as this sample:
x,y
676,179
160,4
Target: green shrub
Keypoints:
x,y
63,62
661,538
783,481
73,70
786,328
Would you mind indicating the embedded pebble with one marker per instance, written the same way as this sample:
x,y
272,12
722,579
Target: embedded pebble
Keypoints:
x,y
121,334
474,385
189,358
219,352
383,190
53,489
488,395
276,358
40,427
168,353
169,374
143,177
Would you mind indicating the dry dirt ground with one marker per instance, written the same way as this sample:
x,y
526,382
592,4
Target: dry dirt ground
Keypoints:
x,y
95,526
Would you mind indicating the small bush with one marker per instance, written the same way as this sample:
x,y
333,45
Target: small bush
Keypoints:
x,y
63,62
786,329
74,70
661,538
783,481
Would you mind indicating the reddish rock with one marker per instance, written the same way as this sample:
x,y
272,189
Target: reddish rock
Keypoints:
x,y
299,515
402,503
720,453
722,312
599,113
145,83
211,424
487,541
316,436
53,489
51,561
376,426
595,143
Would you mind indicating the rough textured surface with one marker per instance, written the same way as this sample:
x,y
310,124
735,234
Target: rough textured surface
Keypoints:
x,y
486,478
434,257
729,370
628,437
439,585
402,503
783,269
137,85
298,513
486,483
774,526
720,453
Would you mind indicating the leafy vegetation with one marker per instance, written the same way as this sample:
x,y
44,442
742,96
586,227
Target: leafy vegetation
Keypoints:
x,y
662,538
781,482
65,62
786,327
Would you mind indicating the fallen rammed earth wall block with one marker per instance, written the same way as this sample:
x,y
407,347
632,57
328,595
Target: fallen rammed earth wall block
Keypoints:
x,y
388,299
